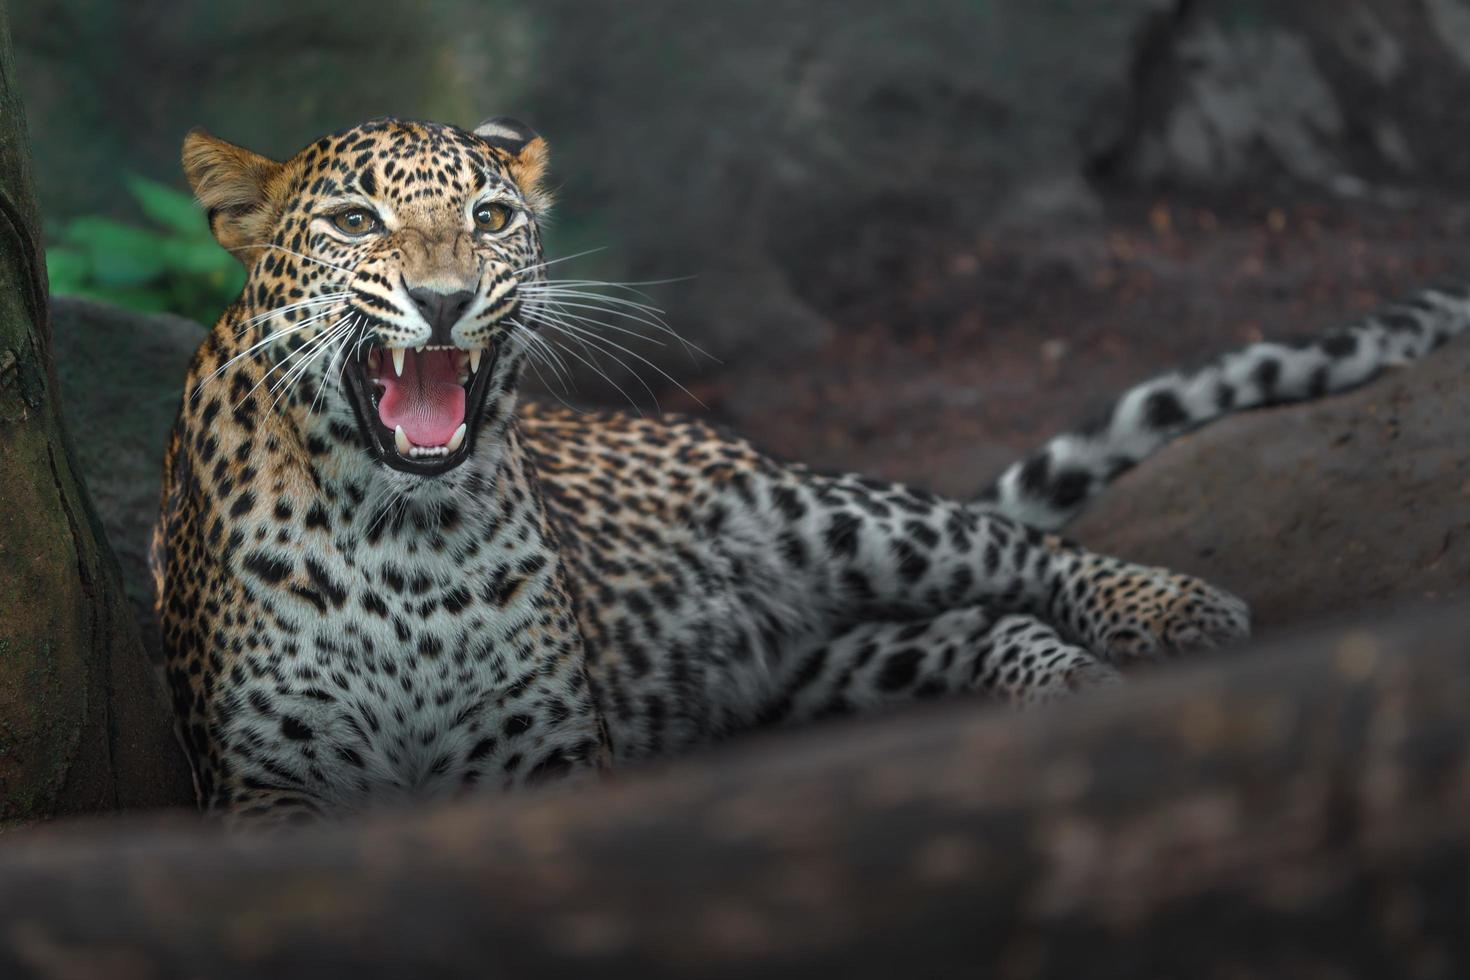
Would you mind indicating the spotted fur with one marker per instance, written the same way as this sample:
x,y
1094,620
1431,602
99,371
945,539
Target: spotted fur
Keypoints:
x,y
571,591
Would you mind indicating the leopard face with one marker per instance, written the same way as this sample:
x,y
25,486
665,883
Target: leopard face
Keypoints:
x,y
386,268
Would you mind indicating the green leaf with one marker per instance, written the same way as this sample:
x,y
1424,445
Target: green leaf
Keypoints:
x,y
171,209
196,258
67,269
176,266
120,255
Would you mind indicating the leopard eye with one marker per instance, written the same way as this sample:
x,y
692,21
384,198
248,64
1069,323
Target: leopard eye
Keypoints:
x,y
492,217
355,221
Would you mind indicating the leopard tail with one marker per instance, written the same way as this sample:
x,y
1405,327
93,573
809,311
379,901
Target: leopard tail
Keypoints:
x,y
1052,485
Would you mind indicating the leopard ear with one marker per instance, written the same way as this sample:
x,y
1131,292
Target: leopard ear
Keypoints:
x,y
236,189
525,154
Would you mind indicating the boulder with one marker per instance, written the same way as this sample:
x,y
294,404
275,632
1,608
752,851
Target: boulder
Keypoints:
x,y
788,154
1362,97
1313,511
122,377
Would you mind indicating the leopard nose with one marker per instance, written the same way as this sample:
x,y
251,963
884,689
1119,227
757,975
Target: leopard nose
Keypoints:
x,y
441,311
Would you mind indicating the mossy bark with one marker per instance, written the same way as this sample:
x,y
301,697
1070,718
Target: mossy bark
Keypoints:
x,y
83,727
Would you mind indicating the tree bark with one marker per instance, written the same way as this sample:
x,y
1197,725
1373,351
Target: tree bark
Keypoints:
x,y
83,726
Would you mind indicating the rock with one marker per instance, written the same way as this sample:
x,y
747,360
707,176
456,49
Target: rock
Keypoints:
x,y
1314,511
122,377
801,146
1358,97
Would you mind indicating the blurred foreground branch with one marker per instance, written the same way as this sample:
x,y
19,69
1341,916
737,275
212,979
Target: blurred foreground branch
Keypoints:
x,y
1299,811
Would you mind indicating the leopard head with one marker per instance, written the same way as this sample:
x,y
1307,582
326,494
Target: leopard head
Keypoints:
x,y
387,265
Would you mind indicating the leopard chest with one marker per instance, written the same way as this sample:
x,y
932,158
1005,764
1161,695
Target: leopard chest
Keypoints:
x,y
406,666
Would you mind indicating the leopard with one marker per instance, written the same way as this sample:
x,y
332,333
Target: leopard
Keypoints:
x,y
384,578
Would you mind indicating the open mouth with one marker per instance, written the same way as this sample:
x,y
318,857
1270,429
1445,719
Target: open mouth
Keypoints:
x,y
418,408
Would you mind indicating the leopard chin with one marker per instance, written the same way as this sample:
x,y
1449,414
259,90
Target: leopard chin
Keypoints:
x,y
419,409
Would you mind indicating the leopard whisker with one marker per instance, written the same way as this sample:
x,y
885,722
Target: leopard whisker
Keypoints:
x,y
545,384
377,508
596,340
536,266
286,385
565,309
285,361
631,286
647,309
539,351
589,343
642,312
564,293
535,346
333,372
302,354
397,500
322,344
268,339
307,303
599,369
562,310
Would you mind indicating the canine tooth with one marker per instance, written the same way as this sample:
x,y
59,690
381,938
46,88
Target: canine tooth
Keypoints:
x,y
475,359
457,440
400,441
398,353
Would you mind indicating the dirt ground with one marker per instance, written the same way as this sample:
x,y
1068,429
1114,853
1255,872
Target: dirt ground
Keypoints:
x,y
976,349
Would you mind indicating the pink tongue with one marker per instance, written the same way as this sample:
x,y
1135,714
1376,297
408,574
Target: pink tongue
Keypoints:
x,y
427,401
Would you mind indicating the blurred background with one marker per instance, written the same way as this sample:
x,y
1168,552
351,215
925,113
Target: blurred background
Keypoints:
x,y
921,236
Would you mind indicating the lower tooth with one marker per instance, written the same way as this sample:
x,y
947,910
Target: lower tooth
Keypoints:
x,y
457,440
400,441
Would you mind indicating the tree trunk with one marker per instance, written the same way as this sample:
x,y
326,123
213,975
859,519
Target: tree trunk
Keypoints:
x,y
83,726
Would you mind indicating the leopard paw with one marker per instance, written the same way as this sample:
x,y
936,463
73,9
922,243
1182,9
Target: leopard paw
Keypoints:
x,y
1133,613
